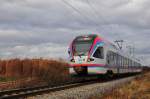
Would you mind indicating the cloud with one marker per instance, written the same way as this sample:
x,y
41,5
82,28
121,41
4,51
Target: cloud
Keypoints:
x,y
28,25
46,50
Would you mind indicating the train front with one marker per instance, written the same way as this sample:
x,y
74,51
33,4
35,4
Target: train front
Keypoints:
x,y
81,51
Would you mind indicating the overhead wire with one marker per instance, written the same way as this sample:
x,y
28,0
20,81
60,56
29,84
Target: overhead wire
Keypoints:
x,y
79,12
96,13
68,4
92,8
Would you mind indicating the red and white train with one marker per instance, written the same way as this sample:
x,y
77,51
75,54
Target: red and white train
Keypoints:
x,y
91,54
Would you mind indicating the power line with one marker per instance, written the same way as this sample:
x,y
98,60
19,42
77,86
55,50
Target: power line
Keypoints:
x,y
92,8
94,11
68,4
79,12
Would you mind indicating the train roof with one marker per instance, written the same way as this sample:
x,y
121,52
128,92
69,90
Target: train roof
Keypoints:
x,y
93,37
90,37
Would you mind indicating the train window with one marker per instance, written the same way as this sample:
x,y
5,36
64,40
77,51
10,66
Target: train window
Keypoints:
x,y
108,58
99,53
121,61
124,61
127,62
115,59
131,63
136,64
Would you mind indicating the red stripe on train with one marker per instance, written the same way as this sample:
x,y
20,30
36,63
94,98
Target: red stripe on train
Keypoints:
x,y
87,65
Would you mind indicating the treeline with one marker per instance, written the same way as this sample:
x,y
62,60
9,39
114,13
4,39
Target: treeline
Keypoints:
x,y
146,68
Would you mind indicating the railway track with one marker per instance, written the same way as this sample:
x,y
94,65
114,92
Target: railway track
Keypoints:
x,y
25,92
8,94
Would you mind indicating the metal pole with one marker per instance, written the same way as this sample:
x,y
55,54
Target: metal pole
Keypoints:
x,y
119,43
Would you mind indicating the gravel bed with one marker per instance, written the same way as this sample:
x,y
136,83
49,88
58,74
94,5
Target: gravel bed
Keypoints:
x,y
86,91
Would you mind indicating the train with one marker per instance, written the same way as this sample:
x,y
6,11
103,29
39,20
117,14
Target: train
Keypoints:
x,y
92,54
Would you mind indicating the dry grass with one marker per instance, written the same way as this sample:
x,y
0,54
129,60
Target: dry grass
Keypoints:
x,y
137,89
46,71
52,71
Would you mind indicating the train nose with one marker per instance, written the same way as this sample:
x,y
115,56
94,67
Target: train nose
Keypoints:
x,y
80,59
90,59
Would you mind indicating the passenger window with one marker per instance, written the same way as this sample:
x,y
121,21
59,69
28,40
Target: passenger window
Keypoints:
x,y
99,53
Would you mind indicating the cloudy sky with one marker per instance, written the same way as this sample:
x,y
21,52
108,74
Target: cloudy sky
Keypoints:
x,y
44,28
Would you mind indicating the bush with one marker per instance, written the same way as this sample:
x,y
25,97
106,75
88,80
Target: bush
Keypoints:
x,y
52,71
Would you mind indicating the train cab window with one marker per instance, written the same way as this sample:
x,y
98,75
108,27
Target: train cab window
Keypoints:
x,y
99,53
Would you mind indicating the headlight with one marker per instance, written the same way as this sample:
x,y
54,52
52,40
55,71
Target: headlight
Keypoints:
x,y
90,59
72,60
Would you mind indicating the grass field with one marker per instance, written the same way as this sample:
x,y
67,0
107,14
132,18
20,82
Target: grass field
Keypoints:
x,y
139,88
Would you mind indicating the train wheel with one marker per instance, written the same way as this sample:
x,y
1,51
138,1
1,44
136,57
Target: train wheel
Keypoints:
x,y
109,74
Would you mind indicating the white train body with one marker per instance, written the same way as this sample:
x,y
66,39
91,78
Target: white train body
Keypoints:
x,y
91,54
